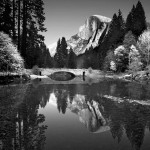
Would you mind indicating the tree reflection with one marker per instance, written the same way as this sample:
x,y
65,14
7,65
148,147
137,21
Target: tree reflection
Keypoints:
x,y
21,126
131,118
97,112
62,96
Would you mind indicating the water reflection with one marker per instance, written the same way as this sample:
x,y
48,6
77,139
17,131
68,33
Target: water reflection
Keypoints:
x,y
101,108
20,123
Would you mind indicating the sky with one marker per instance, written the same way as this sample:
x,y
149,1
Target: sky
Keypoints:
x,y
64,17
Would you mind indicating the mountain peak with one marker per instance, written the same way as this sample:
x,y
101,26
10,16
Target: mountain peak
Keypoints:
x,y
88,35
103,18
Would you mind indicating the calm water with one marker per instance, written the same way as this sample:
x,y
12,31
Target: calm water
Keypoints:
x,y
109,115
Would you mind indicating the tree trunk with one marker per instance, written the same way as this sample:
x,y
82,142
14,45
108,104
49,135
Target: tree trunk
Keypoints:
x,y
14,15
24,33
19,25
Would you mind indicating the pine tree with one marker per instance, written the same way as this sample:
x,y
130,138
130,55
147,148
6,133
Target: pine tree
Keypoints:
x,y
121,26
33,20
24,30
64,51
2,8
14,20
61,56
19,20
72,60
6,19
26,23
136,20
57,56
139,20
129,20
129,40
116,31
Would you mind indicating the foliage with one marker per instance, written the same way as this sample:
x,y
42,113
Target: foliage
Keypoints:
x,y
116,30
144,47
10,58
90,70
71,59
35,70
148,69
113,66
24,21
121,56
129,40
5,17
108,59
134,60
113,38
135,66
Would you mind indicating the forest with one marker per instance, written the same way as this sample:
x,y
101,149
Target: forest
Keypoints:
x,y
21,42
126,46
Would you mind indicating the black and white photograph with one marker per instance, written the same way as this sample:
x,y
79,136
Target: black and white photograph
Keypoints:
x,y
74,74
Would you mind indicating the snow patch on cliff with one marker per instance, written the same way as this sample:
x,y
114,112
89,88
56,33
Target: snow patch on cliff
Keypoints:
x,y
52,49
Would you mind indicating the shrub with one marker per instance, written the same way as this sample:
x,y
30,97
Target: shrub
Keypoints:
x,y
36,70
90,70
144,47
10,59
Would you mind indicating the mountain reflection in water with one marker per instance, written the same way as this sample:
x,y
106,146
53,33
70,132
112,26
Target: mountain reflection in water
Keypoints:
x,y
60,117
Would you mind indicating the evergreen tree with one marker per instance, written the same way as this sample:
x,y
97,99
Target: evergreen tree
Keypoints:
x,y
6,19
72,60
2,8
19,20
26,23
129,20
57,56
61,56
139,20
136,20
14,19
33,21
121,25
112,29
114,38
64,52
129,40
24,30
116,31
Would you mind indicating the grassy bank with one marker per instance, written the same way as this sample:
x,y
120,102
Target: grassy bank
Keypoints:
x,y
8,77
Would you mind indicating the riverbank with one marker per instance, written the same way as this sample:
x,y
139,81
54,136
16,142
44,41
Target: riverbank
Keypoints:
x,y
90,75
96,74
9,77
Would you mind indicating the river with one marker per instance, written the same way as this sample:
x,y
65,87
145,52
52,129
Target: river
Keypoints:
x,y
108,115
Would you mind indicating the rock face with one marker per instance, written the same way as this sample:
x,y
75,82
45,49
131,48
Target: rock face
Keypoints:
x,y
89,34
89,114
94,29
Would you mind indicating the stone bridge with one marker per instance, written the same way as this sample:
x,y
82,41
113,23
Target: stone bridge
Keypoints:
x,y
77,72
